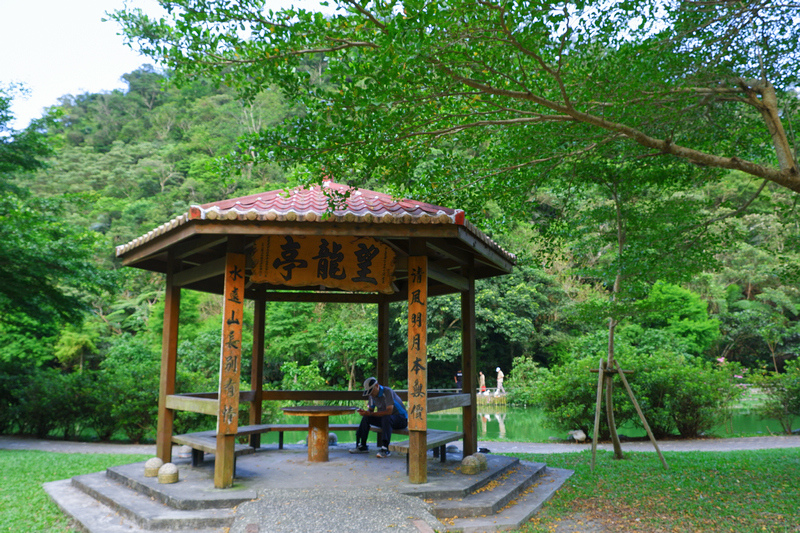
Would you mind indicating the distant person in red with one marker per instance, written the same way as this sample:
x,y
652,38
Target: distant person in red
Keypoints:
x,y
481,382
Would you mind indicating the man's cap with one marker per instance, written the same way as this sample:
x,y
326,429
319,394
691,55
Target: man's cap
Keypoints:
x,y
497,369
369,384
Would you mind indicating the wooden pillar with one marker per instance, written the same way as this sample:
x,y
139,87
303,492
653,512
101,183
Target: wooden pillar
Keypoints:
x,y
257,369
382,368
417,368
469,365
229,368
169,358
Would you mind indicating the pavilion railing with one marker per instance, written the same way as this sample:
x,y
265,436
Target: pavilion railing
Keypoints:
x,y
208,402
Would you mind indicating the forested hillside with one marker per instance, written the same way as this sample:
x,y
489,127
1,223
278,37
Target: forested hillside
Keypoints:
x,y
709,272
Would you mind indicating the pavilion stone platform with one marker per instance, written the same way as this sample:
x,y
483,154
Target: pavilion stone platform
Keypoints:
x,y
281,491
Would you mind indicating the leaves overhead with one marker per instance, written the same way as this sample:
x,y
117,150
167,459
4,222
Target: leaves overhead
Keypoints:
x,y
442,97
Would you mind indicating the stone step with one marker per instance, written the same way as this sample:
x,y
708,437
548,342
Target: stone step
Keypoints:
x,y
148,513
462,485
193,491
516,512
494,495
92,516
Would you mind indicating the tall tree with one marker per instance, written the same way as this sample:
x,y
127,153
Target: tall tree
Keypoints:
x,y
47,266
490,91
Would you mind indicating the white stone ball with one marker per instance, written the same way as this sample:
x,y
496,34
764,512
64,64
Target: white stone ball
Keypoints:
x,y
168,468
151,466
168,473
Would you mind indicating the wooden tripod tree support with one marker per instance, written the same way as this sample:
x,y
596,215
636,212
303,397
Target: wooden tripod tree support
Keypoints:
x,y
605,381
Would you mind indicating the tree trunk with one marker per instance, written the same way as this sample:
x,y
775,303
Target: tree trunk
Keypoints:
x,y
610,365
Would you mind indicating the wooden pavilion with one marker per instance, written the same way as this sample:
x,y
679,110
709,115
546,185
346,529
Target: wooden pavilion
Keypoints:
x,y
287,245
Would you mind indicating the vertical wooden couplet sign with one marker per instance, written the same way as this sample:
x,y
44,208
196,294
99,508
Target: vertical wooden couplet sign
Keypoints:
x,y
417,368
230,368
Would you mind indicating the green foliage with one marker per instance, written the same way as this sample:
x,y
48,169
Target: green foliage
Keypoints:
x,y
524,380
516,314
682,313
464,100
132,369
74,346
47,265
46,401
678,393
294,332
782,392
20,349
127,161
19,150
567,394
351,344
681,395
301,377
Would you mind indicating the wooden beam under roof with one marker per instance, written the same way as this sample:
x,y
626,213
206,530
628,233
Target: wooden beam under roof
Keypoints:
x,y
447,248
457,281
484,250
199,273
199,244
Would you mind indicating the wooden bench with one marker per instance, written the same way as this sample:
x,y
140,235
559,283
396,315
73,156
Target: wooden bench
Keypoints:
x,y
280,428
436,440
203,442
379,432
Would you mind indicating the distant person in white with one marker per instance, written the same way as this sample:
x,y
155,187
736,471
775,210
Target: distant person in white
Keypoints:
x,y
500,387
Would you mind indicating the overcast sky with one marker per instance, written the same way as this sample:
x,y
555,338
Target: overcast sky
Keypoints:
x,y
59,47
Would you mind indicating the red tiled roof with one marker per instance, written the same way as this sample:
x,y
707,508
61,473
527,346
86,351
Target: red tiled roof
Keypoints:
x,y
312,205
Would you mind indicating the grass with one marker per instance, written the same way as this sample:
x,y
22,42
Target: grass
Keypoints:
x,y
24,505
738,491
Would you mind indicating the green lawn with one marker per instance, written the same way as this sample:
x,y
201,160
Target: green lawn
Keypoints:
x,y
743,491
738,492
24,505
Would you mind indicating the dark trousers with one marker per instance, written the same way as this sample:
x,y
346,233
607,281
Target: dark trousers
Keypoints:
x,y
386,423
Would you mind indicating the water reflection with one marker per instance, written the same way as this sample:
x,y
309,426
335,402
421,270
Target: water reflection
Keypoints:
x,y
527,425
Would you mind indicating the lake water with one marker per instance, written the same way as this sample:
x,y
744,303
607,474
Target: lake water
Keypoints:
x,y
527,425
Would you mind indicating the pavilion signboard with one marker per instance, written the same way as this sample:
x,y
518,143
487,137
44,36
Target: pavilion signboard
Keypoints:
x,y
347,263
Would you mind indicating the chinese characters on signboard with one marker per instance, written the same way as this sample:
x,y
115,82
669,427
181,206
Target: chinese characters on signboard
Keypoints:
x,y
417,343
349,263
231,359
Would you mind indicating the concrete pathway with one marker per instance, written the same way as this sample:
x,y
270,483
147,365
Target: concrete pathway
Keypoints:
x,y
709,445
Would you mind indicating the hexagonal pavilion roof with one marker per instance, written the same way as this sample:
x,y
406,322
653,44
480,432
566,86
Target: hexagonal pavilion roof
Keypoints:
x,y
198,240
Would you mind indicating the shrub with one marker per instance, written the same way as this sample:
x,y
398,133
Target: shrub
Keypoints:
x,y
782,394
679,393
523,380
100,415
38,398
132,371
568,396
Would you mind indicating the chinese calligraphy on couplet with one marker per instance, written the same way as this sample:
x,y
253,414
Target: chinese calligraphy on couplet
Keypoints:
x,y
417,343
349,263
231,357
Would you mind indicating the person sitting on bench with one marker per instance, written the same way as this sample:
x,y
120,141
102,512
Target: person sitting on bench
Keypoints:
x,y
385,410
